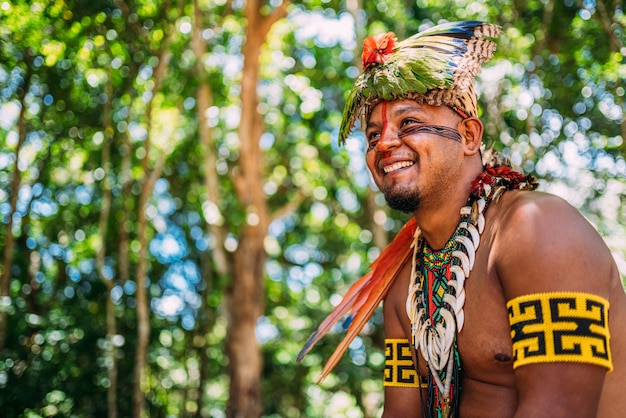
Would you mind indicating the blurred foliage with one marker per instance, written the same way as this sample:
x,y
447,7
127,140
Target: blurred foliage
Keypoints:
x,y
552,100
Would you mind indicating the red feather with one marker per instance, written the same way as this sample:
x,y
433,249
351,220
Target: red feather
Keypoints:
x,y
365,295
377,48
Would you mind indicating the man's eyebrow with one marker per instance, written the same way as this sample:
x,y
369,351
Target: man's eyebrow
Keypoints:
x,y
372,125
401,110
406,109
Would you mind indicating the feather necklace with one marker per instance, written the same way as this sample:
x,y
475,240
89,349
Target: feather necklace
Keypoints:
x,y
436,290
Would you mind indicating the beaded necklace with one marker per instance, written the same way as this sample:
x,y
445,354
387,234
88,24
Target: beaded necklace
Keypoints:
x,y
436,291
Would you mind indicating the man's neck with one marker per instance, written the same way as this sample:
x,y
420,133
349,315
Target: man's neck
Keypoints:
x,y
439,220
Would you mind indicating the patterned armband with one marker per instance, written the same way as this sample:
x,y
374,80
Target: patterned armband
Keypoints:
x,y
399,366
560,327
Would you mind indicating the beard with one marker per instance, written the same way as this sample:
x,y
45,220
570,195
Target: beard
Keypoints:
x,y
405,200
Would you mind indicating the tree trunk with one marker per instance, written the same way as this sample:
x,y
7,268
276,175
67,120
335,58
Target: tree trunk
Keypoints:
x,y
245,296
245,305
110,353
7,254
143,310
219,259
204,100
143,302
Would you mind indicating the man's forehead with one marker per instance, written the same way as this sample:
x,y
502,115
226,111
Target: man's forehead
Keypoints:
x,y
400,107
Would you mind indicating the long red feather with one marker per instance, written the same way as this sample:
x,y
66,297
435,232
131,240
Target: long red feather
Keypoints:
x,y
364,295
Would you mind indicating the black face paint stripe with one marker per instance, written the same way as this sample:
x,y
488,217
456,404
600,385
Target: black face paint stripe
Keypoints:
x,y
443,131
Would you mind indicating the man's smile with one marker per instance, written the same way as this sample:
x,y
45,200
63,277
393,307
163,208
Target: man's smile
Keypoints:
x,y
397,166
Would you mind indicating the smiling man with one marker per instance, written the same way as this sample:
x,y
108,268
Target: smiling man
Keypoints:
x,y
499,301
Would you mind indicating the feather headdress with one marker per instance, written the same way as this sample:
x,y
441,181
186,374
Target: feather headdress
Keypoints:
x,y
436,66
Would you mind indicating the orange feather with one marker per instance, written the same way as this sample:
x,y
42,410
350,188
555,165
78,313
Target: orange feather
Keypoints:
x,y
377,48
365,295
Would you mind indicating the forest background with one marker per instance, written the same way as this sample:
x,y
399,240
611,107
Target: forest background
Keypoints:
x,y
177,216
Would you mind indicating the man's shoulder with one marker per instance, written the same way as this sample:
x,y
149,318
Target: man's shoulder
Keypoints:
x,y
542,243
536,219
523,208
521,198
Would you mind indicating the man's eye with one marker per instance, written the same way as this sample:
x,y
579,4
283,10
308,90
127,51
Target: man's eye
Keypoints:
x,y
372,140
408,122
409,126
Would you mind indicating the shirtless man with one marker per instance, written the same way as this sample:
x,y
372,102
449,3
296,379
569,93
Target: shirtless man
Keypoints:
x,y
499,301
533,243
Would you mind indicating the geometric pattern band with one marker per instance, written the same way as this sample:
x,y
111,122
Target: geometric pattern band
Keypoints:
x,y
399,366
560,327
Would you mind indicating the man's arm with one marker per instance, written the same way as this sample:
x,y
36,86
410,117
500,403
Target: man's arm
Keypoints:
x,y
554,269
402,395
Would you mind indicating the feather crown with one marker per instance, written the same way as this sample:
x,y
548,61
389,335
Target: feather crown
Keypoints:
x,y
436,66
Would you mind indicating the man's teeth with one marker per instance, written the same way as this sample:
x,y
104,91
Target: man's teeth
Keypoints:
x,y
397,166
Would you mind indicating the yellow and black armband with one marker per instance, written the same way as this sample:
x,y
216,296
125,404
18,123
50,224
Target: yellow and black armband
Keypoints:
x,y
399,365
560,327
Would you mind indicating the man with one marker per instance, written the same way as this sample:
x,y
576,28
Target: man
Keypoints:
x,y
498,301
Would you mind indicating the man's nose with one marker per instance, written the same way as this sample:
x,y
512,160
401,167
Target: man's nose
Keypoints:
x,y
389,139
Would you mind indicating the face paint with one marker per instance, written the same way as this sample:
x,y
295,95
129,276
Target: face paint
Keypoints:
x,y
384,110
443,131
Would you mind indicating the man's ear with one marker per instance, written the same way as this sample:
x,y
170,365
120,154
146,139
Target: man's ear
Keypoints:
x,y
471,129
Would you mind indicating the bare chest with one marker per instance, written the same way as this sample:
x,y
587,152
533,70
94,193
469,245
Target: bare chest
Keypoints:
x,y
485,340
